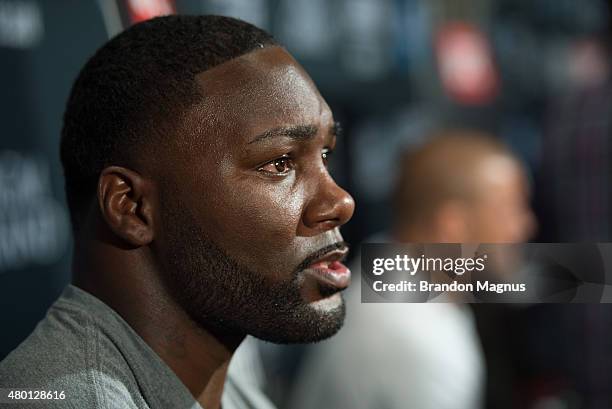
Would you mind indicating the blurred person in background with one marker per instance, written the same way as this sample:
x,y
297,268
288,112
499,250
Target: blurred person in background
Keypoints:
x,y
459,187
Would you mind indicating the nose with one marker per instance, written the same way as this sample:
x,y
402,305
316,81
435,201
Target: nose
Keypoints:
x,y
330,207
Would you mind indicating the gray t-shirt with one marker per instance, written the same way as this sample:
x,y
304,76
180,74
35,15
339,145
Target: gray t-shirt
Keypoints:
x,y
85,349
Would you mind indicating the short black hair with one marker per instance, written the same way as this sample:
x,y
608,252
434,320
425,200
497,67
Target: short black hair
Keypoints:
x,y
135,85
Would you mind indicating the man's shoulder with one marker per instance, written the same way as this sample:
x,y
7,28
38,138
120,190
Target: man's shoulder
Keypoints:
x,y
57,346
67,353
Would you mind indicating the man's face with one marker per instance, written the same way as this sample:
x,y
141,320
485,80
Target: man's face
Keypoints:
x,y
248,235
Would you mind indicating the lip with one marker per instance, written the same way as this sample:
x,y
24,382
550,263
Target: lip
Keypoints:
x,y
329,269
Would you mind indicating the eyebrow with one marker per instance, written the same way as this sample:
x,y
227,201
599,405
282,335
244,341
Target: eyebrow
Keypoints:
x,y
297,132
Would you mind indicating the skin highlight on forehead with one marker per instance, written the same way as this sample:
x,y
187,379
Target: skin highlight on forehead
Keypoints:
x,y
264,83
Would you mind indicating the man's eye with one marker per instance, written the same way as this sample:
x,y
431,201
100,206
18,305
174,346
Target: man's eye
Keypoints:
x,y
280,166
326,154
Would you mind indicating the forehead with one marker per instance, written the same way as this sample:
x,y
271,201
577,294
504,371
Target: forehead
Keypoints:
x,y
260,90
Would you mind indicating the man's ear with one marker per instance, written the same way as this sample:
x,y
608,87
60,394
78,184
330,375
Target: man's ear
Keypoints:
x,y
126,204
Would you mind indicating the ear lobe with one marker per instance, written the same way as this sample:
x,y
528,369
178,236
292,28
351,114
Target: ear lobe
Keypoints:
x,y
125,201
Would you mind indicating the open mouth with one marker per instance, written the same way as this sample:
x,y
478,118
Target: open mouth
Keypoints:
x,y
331,274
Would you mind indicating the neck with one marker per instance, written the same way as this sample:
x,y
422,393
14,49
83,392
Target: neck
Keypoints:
x,y
132,287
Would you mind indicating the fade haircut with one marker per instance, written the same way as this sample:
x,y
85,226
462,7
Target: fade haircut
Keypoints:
x,y
135,88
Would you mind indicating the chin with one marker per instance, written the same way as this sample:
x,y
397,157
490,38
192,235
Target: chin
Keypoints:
x,y
308,323
327,318
328,304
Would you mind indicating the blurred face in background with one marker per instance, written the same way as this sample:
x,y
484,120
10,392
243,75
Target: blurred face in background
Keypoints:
x,y
462,187
494,208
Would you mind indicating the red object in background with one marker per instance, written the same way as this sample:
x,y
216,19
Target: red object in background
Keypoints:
x,y
465,64
141,10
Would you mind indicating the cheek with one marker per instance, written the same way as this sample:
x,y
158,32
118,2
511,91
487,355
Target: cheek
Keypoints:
x,y
503,223
492,223
257,223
